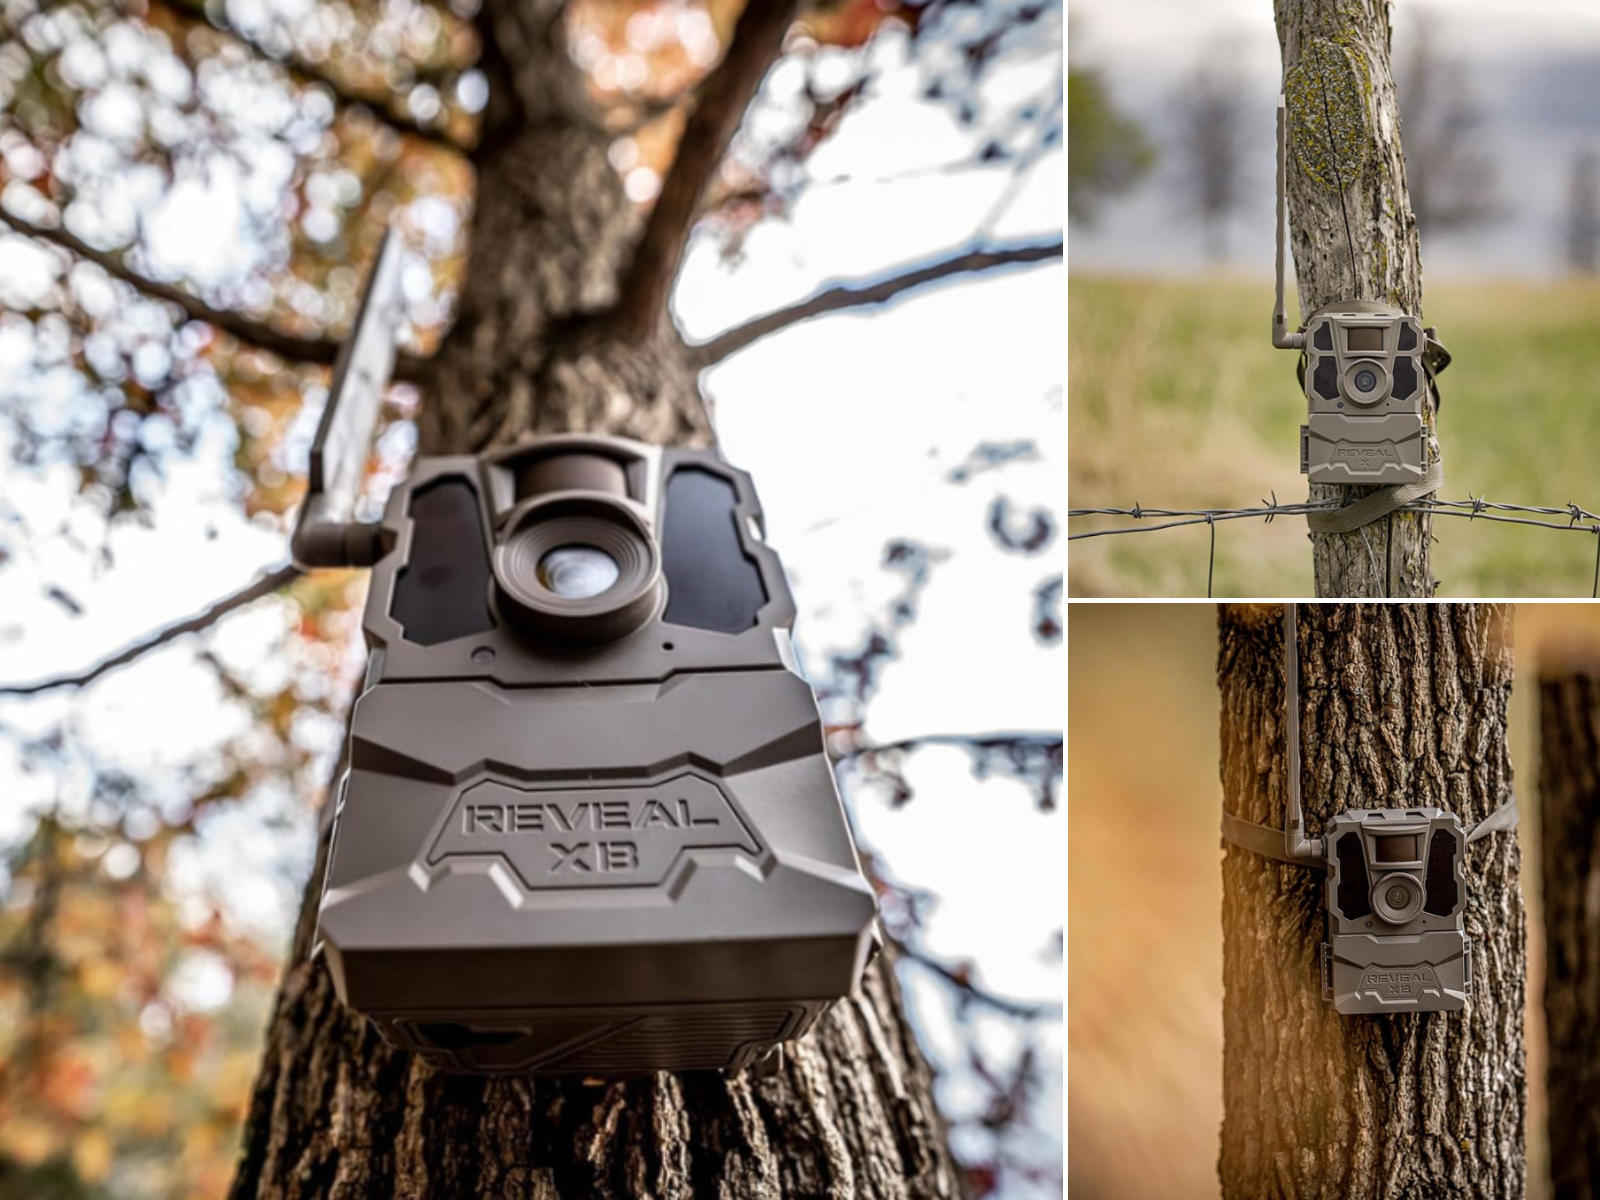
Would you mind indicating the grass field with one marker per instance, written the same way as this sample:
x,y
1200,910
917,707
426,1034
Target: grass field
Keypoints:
x,y
1178,400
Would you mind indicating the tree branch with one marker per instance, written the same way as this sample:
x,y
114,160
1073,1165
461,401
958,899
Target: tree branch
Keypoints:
x,y
845,296
961,978
263,586
311,75
290,346
964,741
724,96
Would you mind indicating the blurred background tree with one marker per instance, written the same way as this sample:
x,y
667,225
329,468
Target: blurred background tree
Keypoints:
x,y
1448,170
1107,151
1211,146
193,194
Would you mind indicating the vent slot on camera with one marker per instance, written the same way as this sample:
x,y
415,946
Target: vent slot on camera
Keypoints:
x,y
1326,378
442,593
1405,378
1352,897
711,582
1442,885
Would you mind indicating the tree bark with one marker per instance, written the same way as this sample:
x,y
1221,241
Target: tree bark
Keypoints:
x,y
1401,704
1569,816
336,1112
1354,238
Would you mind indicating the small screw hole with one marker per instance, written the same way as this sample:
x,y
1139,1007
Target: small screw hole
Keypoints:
x,y
666,645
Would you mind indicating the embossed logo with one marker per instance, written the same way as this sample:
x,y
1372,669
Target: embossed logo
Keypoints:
x,y
1366,456
1399,983
590,837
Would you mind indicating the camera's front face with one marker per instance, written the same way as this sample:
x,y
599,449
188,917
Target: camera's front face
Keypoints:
x,y
1364,390
589,824
1395,894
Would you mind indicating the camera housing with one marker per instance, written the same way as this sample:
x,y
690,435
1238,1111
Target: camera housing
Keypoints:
x,y
1396,891
594,834
1365,388
585,822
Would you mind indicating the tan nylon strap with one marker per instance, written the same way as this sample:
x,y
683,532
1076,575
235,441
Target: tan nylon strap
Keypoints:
x,y
1378,504
1268,842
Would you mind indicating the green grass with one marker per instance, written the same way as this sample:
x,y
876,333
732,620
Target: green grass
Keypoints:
x,y
1177,400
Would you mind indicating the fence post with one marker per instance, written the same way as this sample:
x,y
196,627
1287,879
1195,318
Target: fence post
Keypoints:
x,y
1569,818
1400,704
1354,238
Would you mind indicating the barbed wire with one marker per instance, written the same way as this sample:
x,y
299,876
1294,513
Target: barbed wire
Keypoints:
x,y
1473,508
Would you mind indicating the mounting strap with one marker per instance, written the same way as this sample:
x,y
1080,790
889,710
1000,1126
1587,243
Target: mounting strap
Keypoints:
x,y
1377,504
1290,844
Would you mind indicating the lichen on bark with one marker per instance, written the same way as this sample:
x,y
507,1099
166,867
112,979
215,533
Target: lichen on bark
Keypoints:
x,y
1401,704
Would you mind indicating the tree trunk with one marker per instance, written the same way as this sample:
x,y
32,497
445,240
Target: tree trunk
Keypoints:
x,y
1569,815
1354,238
1402,704
336,1112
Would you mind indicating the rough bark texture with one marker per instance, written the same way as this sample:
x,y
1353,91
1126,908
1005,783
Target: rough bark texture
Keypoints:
x,y
1400,704
1569,810
336,1113
1354,238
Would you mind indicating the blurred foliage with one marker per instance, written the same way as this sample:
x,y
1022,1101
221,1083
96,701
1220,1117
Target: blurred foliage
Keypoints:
x,y
131,1003
121,1073
1107,152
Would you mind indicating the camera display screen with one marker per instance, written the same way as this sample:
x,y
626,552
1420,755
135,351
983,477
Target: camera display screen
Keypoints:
x,y
1367,338
1397,849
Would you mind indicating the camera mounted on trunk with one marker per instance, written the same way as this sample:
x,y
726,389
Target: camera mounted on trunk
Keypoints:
x,y
1396,885
585,822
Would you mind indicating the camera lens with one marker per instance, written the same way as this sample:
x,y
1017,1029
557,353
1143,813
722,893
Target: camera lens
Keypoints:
x,y
1366,381
577,572
577,567
1397,898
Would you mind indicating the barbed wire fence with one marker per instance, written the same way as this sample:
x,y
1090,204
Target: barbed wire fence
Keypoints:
x,y
1473,508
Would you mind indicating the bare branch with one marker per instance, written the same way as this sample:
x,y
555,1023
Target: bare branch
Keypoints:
x,y
724,96
311,75
286,345
271,582
961,978
964,741
845,296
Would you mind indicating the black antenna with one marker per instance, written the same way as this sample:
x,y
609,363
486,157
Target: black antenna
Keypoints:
x,y
324,534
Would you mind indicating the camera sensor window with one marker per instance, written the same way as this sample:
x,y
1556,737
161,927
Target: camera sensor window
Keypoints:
x,y
1397,848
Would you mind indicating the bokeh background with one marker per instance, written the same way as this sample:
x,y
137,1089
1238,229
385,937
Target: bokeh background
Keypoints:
x,y
1179,400
157,824
1144,1051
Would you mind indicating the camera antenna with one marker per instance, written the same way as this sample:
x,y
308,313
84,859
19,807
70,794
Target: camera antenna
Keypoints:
x,y
1281,337
1289,844
1295,842
324,534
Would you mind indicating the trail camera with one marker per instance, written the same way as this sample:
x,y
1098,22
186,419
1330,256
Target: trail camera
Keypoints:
x,y
1365,369
586,823
1396,888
